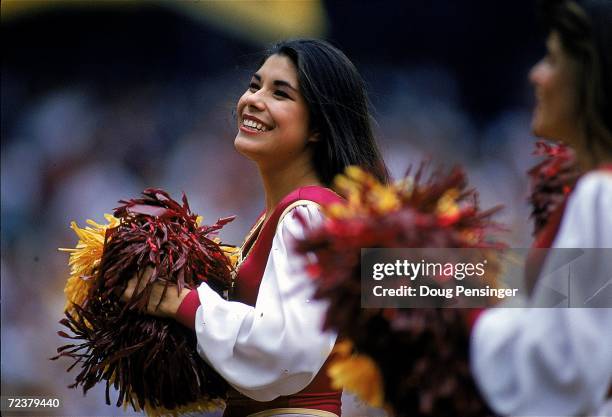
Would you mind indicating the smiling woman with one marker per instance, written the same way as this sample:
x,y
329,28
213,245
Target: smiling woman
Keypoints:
x,y
273,122
303,119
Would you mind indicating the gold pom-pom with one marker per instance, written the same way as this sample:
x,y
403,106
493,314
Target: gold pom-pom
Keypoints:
x,y
84,259
364,195
232,253
356,373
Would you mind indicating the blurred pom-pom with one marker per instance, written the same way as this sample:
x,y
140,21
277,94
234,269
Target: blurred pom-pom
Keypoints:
x,y
421,354
551,180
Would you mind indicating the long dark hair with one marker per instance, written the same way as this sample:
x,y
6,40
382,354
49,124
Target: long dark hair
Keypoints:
x,y
335,95
585,29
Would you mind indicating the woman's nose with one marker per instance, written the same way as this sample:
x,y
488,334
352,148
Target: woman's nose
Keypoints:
x,y
255,100
534,73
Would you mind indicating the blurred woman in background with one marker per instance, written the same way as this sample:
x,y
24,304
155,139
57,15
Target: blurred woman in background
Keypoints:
x,y
558,361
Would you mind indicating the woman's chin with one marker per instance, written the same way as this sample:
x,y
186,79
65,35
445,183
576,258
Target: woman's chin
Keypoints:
x,y
535,131
537,127
546,132
246,146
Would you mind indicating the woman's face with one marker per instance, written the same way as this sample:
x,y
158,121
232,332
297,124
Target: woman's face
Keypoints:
x,y
273,125
554,79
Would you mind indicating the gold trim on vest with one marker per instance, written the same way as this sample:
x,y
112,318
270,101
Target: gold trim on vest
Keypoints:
x,y
294,205
295,411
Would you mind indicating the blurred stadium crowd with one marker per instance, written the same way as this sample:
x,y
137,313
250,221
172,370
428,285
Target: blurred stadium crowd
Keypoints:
x,y
101,102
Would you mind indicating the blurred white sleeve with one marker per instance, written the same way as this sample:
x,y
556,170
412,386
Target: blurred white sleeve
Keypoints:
x,y
553,361
277,347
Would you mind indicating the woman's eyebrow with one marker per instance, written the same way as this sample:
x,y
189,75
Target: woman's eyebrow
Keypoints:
x,y
279,83
282,83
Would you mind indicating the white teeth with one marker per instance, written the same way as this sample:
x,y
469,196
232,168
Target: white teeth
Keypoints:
x,y
253,124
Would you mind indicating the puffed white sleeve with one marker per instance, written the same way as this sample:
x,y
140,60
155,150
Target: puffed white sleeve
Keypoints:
x,y
277,347
553,361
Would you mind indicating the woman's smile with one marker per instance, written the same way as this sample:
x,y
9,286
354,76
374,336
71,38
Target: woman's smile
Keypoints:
x,y
252,125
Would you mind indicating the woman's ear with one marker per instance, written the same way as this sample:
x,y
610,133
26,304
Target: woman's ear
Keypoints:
x,y
314,137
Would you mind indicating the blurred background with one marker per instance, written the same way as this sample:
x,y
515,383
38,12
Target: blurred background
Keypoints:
x,y
101,99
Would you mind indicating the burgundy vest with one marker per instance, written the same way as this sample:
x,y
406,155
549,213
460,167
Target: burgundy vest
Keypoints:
x,y
318,394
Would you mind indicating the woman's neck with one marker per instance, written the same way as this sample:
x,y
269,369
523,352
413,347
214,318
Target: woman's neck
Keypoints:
x,y
278,182
588,157
591,158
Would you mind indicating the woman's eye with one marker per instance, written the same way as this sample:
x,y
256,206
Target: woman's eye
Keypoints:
x,y
253,87
281,93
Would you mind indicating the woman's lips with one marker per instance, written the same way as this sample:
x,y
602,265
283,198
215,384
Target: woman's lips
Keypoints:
x,y
250,130
254,123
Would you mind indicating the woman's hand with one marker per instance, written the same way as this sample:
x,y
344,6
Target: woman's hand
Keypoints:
x,y
170,301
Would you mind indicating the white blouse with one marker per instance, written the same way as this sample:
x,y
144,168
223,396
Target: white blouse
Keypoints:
x,y
277,347
554,361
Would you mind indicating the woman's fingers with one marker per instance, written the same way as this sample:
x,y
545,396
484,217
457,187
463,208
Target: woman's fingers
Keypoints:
x,y
163,302
141,277
155,298
129,289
